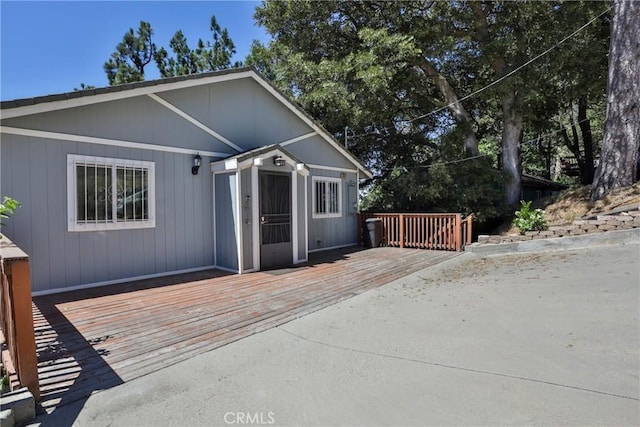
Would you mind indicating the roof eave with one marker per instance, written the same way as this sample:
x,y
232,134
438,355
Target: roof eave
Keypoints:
x,y
43,104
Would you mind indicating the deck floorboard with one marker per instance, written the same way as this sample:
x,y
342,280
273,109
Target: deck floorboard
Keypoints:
x,y
93,339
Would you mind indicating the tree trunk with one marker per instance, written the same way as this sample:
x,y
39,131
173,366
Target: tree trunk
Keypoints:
x,y
587,171
511,133
619,156
463,118
511,118
573,144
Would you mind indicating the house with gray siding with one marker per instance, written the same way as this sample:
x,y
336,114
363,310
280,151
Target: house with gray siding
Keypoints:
x,y
214,170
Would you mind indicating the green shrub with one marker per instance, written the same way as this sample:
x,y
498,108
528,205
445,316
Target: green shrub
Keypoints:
x,y
4,379
528,219
8,207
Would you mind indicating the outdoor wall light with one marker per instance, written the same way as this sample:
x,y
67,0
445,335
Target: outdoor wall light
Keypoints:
x,y
197,161
279,161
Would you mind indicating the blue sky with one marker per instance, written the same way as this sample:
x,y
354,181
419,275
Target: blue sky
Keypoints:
x,y
52,46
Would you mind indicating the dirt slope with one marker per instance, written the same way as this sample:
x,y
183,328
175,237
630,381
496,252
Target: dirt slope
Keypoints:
x,y
574,203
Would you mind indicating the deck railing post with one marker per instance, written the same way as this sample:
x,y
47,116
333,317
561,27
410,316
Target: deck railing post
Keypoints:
x,y
27,363
18,318
401,219
458,231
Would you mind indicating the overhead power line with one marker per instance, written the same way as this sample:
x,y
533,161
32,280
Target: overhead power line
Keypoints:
x,y
450,162
550,133
495,82
487,155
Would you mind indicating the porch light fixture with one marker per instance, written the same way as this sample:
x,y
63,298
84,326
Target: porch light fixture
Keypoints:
x,y
279,161
197,161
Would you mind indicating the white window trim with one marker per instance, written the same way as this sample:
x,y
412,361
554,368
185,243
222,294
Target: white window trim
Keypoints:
x,y
72,223
326,179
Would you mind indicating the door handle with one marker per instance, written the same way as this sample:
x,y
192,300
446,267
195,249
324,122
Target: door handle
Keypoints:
x,y
263,220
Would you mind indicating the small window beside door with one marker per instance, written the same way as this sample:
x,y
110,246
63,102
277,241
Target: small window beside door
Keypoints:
x,y
327,197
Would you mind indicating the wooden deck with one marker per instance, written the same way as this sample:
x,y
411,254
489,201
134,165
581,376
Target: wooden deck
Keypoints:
x,y
97,338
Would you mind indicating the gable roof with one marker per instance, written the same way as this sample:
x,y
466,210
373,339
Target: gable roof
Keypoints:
x,y
539,182
41,104
256,152
122,88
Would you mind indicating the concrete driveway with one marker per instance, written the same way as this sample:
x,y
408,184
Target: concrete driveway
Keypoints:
x,y
543,339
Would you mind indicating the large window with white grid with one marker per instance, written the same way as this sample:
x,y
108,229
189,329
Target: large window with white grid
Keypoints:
x,y
327,197
109,194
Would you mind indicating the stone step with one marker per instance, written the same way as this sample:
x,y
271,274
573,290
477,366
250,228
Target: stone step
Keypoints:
x,y
613,218
599,224
622,209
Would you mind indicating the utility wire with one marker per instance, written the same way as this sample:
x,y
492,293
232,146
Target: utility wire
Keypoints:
x,y
449,162
495,82
485,155
550,133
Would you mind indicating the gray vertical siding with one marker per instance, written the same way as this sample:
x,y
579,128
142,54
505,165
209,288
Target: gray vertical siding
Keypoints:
x,y
225,206
139,119
329,232
317,151
241,111
34,171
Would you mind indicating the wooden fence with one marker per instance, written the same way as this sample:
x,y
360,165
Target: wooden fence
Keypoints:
x,y
446,231
19,356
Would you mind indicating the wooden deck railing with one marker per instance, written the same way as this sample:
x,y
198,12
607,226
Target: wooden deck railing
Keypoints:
x,y
446,231
19,357
467,230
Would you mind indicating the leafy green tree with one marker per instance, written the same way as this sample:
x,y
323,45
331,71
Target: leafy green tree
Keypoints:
x,y
564,112
397,73
449,182
132,55
207,56
84,86
183,62
217,55
619,158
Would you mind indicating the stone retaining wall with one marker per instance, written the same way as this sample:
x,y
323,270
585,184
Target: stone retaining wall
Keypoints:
x,y
622,221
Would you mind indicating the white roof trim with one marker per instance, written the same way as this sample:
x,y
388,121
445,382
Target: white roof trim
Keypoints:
x,y
113,96
295,110
297,139
331,168
193,121
104,141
